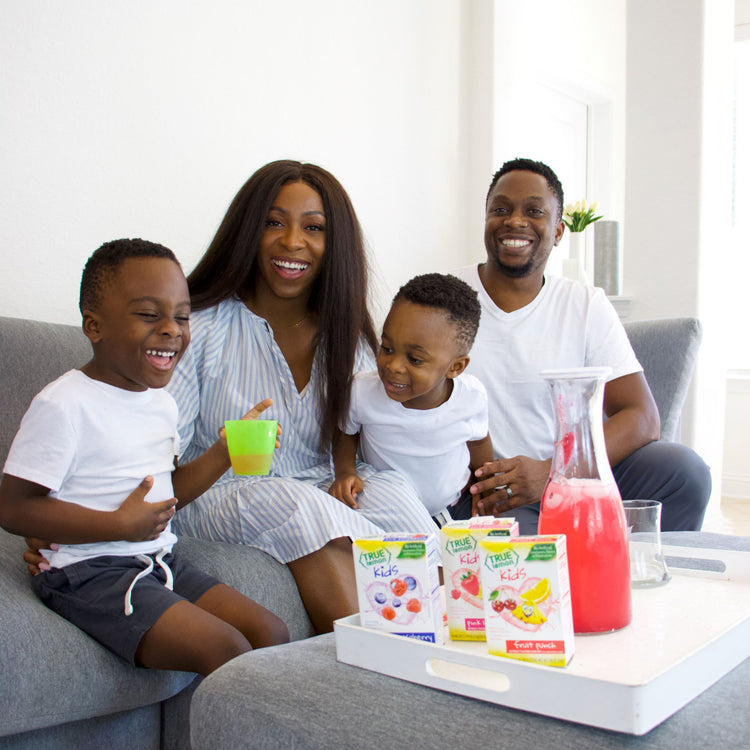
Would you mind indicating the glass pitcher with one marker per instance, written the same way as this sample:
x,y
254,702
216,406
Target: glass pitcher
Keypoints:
x,y
581,500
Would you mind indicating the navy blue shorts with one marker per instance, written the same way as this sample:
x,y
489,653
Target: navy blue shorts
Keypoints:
x,y
92,595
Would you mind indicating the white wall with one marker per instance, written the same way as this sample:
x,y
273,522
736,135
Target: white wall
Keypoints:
x,y
513,53
140,118
736,475
678,181
742,19
143,118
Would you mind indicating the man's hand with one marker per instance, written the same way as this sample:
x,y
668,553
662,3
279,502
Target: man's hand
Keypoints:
x,y
510,482
142,521
346,488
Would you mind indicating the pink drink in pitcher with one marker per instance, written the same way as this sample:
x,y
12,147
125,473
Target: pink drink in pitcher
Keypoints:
x,y
590,514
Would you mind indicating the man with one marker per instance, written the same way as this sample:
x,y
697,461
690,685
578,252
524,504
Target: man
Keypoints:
x,y
532,322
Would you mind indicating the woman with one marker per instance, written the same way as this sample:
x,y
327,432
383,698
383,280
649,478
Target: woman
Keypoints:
x,y
279,309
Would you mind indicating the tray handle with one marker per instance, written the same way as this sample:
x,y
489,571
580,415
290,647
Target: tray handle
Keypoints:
x,y
474,677
704,562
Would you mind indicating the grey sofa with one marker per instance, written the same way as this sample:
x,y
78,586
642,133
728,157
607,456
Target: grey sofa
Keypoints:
x,y
58,687
667,349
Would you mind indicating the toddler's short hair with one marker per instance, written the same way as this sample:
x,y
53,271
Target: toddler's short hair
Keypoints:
x,y
105,261
449,294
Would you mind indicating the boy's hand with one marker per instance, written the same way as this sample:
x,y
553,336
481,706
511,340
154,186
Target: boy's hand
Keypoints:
x,y
254,413
143,521
346,488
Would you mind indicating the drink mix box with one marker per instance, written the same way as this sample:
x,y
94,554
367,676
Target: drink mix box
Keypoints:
x,y
526,593
398,585
463,591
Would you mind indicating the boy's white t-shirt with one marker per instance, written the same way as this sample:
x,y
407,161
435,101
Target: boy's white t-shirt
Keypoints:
x,y
428,446
92,444
566,325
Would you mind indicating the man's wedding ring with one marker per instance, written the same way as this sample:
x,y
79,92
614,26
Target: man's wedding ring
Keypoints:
x,y
509,491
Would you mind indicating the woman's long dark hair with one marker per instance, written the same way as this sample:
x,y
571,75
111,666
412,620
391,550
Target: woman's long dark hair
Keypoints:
x,y
339,294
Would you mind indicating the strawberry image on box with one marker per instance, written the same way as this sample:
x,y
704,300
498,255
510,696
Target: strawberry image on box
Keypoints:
x,y
460,554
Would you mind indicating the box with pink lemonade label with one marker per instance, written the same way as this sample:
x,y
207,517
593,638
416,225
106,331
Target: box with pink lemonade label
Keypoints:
x,y
526,593
463,590
398,585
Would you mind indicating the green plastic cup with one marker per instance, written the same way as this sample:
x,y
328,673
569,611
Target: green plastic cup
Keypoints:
x,y
251,443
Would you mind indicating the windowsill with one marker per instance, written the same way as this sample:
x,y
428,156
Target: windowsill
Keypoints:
x,y
621,305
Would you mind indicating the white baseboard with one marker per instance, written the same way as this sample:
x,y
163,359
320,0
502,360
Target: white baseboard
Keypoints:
x,y
735,486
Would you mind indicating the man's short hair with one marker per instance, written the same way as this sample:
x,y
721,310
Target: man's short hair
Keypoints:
x,y
106,259
449,294
538,167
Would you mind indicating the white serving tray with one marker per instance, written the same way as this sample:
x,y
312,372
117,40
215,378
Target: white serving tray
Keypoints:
x,y
684,637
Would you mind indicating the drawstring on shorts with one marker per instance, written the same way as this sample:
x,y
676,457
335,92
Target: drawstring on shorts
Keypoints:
x,y
149,563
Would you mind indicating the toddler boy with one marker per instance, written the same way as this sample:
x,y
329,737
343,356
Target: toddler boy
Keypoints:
x,y
419,413
93,468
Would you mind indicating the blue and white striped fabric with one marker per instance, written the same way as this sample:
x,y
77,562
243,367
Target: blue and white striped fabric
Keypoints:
x,y
232,363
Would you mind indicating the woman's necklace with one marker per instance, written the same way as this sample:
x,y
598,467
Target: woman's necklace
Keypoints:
x,y
273,326
298,323
288,326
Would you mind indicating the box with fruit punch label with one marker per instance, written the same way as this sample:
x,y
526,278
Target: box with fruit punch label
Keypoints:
x,y
398,585
460,552
526,593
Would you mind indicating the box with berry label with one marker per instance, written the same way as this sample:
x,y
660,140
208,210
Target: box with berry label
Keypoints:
x,y
398,585
526,593
463,591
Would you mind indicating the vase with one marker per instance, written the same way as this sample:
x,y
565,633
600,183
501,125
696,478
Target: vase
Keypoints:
x,y
607,257
574,264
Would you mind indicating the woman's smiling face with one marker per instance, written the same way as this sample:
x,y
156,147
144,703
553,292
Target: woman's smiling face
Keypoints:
x,y
293,242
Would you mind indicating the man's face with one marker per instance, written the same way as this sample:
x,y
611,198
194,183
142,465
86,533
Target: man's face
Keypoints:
x,y
521,225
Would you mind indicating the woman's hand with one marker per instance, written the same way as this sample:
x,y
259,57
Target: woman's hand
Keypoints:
x,y
346,488
511,483
35,561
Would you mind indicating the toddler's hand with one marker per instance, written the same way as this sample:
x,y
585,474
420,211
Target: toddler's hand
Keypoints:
x,y
346,489
142,521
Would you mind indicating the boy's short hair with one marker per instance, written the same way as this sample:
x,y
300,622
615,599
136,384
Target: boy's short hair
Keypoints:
x,y
106,259
449,294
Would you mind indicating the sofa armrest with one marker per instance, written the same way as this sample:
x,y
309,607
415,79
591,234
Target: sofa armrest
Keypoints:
x,y
40,651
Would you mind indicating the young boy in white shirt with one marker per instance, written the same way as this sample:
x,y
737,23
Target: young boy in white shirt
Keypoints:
x,y
419,413
93,467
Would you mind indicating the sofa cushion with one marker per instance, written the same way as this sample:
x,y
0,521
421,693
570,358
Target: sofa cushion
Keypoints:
x,y
33,354
667,350
254,573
